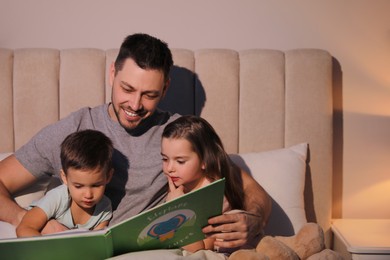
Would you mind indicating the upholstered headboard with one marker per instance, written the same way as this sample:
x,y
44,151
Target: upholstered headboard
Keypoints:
x,y
258,100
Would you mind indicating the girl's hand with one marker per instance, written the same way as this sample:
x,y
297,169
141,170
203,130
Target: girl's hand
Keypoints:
x,y
174,192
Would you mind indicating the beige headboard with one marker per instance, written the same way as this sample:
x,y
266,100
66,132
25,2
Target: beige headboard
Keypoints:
x,y
257,100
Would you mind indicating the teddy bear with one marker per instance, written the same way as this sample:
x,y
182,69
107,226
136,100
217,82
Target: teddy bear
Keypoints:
x,y
307,244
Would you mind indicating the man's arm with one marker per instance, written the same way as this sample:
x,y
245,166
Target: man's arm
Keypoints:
x,y
13,177
235,230
257,200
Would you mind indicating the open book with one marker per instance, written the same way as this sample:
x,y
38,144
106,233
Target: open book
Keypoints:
x,y
170,225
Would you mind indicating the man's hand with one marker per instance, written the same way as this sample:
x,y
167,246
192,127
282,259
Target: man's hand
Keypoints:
x,y
174,192
53,226
13,178
234,229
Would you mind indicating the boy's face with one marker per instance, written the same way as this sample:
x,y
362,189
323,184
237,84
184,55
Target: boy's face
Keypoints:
x,y
86,187
182,164
136,93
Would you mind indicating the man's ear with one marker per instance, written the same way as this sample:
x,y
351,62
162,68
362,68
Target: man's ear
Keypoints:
x,y
63,177
112,74
166,86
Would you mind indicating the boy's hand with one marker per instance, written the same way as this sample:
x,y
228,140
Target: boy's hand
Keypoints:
x,y
53,226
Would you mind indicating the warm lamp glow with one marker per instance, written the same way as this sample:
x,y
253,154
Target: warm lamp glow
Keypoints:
x,y
377,191
373,197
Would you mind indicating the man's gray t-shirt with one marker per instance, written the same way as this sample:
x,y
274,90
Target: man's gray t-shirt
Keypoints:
x,y
137,183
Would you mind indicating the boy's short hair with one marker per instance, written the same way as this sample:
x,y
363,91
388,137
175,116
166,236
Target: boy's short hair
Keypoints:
x,y
87,150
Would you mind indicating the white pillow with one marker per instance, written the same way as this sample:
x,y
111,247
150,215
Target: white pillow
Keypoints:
x,y
281,173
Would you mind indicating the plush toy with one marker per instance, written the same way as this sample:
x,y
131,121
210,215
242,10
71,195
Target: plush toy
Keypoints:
x,y
308,244
275,249
326,254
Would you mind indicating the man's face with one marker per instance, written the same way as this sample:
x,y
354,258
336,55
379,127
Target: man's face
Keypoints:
x,y
136,93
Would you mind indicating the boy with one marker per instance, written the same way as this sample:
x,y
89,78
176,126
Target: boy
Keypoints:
x,y
86,159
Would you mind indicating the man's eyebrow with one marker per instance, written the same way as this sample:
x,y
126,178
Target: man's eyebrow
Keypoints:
x,y
126,84
155,92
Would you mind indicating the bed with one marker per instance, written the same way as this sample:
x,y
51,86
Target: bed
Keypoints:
x,y
272,109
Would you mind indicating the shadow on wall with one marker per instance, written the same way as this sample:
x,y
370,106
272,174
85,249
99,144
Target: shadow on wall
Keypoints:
x,y
338,139
185,95
308,194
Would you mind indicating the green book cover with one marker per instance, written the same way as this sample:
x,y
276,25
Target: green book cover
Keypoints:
x,y
170,225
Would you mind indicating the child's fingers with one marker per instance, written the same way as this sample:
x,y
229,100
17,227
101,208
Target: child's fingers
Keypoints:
x,y
171,184
180,190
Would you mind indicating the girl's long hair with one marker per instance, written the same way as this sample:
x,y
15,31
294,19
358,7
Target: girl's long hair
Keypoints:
x,y
208,146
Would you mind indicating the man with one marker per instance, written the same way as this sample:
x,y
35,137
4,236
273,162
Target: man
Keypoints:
x,y
139,79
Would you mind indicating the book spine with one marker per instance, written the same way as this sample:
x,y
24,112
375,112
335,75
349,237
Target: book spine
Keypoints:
x,y
109,244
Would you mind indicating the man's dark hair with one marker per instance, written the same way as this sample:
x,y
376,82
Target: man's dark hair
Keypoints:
x,y
87,150
147,52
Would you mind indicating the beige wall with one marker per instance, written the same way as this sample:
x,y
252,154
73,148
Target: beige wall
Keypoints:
x,y
355,32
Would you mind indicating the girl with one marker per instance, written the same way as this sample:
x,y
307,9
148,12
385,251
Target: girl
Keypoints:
x,y
193,156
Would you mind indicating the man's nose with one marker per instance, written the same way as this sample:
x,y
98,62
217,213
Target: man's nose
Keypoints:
x,y
135,102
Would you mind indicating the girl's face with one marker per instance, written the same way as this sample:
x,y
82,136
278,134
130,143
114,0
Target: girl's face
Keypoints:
x,y
182,164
